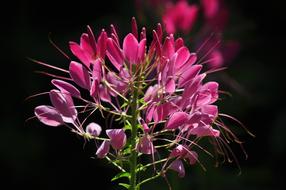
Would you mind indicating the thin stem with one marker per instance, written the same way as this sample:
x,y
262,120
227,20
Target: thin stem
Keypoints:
x,y
148,179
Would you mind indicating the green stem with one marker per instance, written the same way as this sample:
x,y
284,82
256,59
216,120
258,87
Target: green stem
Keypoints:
x,y
133,157
148,179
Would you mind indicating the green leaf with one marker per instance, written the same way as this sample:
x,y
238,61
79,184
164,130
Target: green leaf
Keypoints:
x,y
121,175
124,185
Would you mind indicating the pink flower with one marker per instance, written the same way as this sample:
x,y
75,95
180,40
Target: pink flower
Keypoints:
x,y
178,166
180,16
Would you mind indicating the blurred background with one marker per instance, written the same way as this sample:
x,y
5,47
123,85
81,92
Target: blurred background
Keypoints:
x,y
36,156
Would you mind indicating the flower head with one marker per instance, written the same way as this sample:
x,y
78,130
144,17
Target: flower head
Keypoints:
x,y
157,92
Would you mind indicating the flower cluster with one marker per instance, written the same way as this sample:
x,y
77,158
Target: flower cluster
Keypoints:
x,y
156,91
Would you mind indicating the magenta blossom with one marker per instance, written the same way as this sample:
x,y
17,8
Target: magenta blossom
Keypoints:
x,y
181,16
159,93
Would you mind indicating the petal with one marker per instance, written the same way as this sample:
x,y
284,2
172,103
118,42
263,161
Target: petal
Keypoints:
x,y
190,73
141,51
103,93
117,138
192,156
80,75
170,86
101,44
178,166
179,43
114,54
145,145
91,38
86,47
64,105
168,48
48,115
103,150
211,110
66,87
211,7
177,119
183,57
205,130
79,53
179,151
130,48
93,129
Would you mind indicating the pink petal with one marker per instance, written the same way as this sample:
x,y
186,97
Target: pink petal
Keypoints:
x,y
66,87
179,151
192,156
86,47
211,7
64,105
103,93
79,53
134,28
168,48
145,145
179,43
114,54
190,73
101,44
216,59
97,70
48,115
178,166
205,130
176,120
130,48
117,138
141,51
170,86
91,38
211,110
93,129
80,75
94,89
182,58
103,150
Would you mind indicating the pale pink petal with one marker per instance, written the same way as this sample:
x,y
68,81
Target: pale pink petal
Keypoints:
x,y
48,115
177,119
80,75
117,138
93,129
64,105
103,150
130,48
66,87
178,166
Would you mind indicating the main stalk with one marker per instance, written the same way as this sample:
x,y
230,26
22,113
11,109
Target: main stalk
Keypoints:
x,y
134,122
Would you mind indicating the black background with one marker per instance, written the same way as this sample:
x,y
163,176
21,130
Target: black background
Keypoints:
x,y
36,156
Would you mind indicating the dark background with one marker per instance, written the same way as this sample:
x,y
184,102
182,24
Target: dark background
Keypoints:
x,y
36,156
